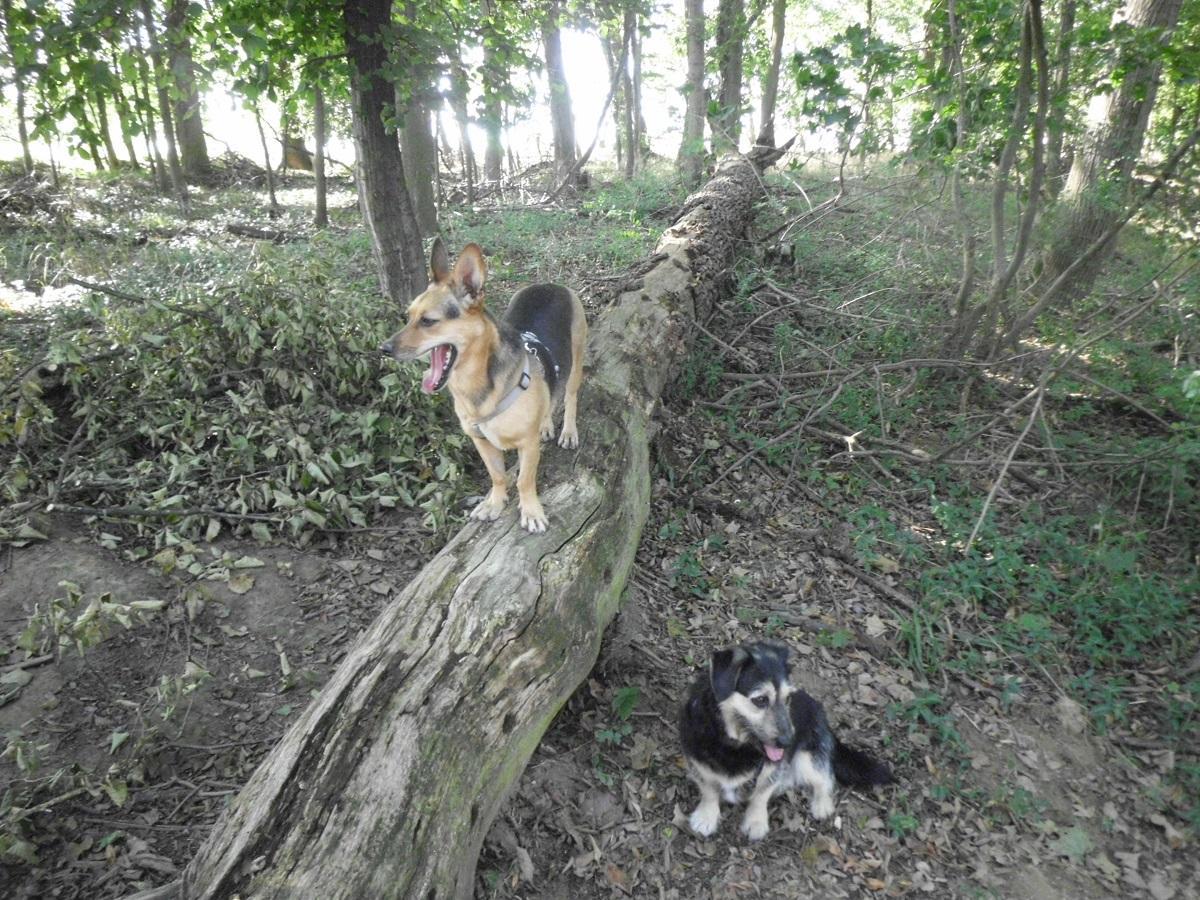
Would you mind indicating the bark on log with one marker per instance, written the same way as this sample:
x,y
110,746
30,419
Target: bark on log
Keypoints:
x,y
387,784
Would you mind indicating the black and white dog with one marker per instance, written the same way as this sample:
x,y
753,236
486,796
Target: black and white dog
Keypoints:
x,y
743,720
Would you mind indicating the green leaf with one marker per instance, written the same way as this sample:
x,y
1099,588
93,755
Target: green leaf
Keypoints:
x,y
1074,844
117,790
624,700
116,739
18,677
241,582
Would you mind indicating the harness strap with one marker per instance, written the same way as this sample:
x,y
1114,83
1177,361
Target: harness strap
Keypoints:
x,y
509,399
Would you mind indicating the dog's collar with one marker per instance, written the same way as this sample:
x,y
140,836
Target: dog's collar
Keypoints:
x,y
509,399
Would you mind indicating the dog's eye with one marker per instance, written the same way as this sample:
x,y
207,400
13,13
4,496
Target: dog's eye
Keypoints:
x,y
760,701
426,322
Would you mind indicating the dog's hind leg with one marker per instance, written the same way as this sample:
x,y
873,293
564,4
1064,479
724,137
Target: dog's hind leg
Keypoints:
x,y
818,777
569,436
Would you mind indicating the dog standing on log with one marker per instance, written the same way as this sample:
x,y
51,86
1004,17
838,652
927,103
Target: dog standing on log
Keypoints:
x,y
507,376
743,720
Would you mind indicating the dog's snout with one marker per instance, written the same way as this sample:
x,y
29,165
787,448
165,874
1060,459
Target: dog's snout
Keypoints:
x,y
783,724
387,348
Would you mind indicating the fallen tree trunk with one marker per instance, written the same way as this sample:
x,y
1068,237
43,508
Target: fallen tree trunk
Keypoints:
x,y
387,784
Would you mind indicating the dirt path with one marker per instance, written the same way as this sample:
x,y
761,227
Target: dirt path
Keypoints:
x,y
164,721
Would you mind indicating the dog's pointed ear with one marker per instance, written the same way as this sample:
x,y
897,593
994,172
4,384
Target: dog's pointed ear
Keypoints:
x,y
439,261
470,272
724,670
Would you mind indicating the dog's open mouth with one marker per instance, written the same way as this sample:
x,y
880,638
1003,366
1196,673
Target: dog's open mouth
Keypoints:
x,y
441,361
774,754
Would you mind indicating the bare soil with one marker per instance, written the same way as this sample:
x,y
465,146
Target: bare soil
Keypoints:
x,y
265,650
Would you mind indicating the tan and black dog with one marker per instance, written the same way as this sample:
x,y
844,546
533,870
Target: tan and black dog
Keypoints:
x,y
744,722
507,376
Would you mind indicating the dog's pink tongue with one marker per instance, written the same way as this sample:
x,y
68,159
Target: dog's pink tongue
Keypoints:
x,y
774,754
437,361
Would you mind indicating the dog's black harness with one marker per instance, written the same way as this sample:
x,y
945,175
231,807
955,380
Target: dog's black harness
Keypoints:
x,y
534,348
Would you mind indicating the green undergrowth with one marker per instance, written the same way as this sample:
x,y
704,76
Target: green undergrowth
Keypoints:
x,y
242,382
1093,582
236,384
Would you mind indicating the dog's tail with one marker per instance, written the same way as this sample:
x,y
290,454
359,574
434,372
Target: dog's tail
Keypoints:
x,y
854,768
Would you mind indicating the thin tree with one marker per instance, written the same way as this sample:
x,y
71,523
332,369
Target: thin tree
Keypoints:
x,y
273,210
1061,94
691,151
458,103
766,134
101,111
629,108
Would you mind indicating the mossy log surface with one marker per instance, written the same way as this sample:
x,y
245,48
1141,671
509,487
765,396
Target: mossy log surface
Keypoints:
x,y
387,784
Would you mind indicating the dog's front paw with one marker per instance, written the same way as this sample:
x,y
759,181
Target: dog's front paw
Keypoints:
x,y
704,819
488,510
756,825
822,807
533,518
568,439
546,433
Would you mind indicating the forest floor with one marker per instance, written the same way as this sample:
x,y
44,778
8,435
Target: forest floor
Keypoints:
x,y
1036,757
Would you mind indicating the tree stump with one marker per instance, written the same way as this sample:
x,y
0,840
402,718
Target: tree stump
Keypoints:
x,y
388,782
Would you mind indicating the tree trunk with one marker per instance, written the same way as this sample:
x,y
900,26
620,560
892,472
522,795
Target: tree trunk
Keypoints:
x,y
493,156
189,127
560,96
766,134
321,219
691,151
726,123
164,103
1098,189
382,192
19,82
387,783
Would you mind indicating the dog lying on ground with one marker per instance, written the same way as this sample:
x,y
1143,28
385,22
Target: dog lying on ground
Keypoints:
x,y
743,720
507,376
